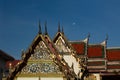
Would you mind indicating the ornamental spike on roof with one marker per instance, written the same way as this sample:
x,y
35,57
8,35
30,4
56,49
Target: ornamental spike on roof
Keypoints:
x,y
46,28
40,30
59,27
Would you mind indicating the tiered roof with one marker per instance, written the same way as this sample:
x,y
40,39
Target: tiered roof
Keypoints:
x,y
113,59
57,58
99,57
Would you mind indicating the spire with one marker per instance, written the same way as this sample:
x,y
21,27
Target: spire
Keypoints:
x,y
87,39
58,26
46,28
40,31
86,48
62,30
106,39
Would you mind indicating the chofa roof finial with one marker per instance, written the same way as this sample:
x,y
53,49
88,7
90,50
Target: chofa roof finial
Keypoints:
x,y
40,31
46,28
59,27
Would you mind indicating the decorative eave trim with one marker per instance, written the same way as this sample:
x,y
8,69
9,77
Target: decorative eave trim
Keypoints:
x,y
113,63
56,36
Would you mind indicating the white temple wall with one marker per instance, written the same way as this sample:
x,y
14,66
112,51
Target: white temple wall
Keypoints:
x,y
71,60
27,78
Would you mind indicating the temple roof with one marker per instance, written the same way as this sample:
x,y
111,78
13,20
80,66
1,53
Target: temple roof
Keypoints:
x,y
92,51
45,38
59,34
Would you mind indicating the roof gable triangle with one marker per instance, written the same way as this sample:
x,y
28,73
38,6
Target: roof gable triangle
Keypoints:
x,y
61,43
33,54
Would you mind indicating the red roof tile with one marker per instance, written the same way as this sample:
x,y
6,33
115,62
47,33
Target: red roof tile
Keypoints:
x,y
96,63
113,54
13,63
95,51
79,47
113,66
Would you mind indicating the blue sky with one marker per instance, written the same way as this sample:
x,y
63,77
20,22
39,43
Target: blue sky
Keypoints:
x,y
19,21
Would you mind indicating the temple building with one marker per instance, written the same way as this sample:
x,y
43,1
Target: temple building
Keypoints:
x,y
61,59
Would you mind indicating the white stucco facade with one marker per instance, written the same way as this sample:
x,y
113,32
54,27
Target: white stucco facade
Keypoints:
x,y
72,61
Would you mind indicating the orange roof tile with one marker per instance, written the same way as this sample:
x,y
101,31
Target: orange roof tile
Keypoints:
x,y
79,47
95,51
113,54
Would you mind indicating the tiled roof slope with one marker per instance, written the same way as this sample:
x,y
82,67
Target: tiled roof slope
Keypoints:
x,y
113,54
79,47
113,59
95,51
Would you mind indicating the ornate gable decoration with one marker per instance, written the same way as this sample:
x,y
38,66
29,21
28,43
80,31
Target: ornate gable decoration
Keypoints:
x,y
40,61
40,67
41,52
61,45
